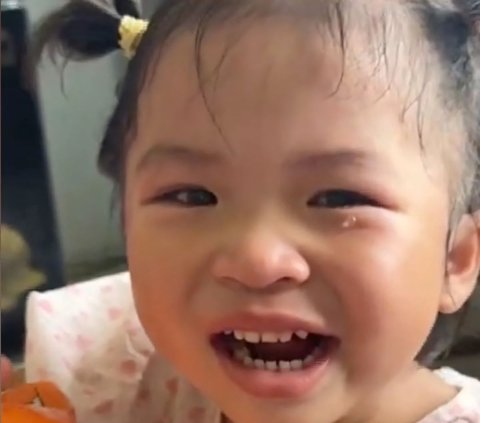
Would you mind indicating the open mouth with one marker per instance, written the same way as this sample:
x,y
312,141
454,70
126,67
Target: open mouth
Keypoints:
x,y
275,352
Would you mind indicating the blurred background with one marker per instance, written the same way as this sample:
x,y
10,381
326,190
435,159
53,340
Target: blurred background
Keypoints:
x,y
58,225
57,220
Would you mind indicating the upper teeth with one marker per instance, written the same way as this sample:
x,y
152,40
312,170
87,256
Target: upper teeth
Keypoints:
x,y
266,337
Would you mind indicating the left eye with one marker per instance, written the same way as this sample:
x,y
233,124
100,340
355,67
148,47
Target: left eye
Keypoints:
x,y
336,199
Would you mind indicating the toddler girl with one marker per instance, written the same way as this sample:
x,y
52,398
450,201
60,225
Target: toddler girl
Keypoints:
x,y
299,182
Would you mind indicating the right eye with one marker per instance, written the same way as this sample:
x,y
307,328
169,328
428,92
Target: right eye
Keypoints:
x,y
187,197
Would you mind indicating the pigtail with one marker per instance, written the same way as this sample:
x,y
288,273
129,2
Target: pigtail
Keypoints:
x,y
82,30
126,8
470,11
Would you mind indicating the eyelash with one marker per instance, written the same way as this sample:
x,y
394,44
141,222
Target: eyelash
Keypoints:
x,y
342,199
174,197
201,197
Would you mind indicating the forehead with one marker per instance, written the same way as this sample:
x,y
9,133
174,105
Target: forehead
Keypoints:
x,y
378,38
274,81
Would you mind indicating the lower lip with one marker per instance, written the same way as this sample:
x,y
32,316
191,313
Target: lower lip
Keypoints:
x,y
276,385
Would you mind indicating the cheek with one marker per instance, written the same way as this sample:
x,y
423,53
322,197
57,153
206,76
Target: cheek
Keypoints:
x,y
159,279
166,264
388,285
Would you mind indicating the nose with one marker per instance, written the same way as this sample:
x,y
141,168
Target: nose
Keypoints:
x,y
259,261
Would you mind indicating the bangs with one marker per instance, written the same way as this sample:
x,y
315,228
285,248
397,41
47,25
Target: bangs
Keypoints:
x,y
381,37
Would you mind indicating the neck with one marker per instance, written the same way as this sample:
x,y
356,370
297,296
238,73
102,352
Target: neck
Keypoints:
x,y
396,404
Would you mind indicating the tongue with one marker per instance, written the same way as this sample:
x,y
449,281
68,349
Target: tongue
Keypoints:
x,y
296,349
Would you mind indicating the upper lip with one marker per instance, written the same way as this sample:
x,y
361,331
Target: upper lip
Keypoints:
x,y
276,322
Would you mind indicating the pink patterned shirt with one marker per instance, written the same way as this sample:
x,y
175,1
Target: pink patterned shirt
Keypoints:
x,y
465,407
88,340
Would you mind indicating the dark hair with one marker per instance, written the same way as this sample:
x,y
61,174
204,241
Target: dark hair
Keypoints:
x,y
85,29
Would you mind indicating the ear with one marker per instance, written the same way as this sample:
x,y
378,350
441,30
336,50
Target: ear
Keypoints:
x,y
463,265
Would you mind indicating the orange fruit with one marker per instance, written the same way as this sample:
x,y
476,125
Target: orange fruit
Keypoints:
x,y
40,402
28,414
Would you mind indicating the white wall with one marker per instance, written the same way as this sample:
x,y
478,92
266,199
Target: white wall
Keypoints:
x,y
73,127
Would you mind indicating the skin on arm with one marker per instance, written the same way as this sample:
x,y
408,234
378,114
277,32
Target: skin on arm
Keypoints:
x,y
5,372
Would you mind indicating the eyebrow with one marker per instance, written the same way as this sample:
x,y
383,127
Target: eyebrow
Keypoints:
x,y
165,153
348,157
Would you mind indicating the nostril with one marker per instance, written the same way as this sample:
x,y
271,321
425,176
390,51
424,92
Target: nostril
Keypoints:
x,y
262,272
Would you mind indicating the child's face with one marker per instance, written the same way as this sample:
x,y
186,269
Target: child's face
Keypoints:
x,y
310,210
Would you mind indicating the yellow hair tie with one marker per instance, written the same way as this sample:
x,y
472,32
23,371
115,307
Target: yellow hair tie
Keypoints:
x,y
131,31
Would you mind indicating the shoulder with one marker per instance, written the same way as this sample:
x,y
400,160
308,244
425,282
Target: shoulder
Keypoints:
x,y
86,338
454,378
465,407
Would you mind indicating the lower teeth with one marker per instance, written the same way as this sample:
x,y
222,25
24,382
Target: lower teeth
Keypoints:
x,y
242,356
